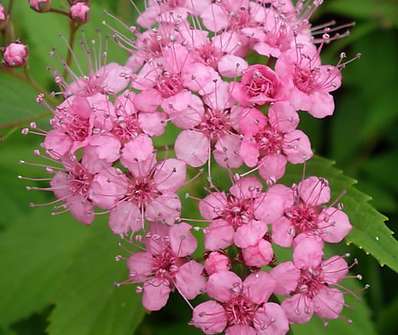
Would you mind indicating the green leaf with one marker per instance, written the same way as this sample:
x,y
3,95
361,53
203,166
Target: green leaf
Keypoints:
x,y
369,230
87,302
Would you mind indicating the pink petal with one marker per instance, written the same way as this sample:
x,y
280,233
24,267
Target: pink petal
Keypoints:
x,y
283,232
298,308
322,105
192,147
328,303
226,152
210,317
115,78
231,66
258,287
297,147
125,218
269,207
286,277
170,175
272,168
252,120
153,124
217,262
270,319
189,280
334,269
308,253
334,225
165,209
138,149
57,143
314,191
182,242
215,18
81,208
250,233
218,235
283,117
223,285
240,330
213,205
156,293
259,255
200,78
140,265
249,151
246,188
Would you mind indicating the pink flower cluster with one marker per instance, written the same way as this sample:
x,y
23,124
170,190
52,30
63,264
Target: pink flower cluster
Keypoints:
x,y
190,66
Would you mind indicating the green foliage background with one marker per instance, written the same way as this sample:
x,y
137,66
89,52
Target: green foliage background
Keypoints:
x,y
56,275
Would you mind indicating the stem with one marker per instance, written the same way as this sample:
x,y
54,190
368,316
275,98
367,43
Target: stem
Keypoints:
x,y
72,36
10,6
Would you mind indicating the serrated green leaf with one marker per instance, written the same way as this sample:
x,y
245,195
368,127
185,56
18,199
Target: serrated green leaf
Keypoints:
x,y
87,302
369,230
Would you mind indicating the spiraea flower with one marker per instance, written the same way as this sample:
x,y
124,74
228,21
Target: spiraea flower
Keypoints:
x,y
79,12
40,5
3,17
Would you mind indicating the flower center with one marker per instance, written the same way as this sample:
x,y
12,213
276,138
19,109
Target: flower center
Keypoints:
x,y
303,217
126,128
238,211
169,84
215,123
270,141
209,55
310,282
165,265
240,311
260,85
141,191
305,79
80,180
76,127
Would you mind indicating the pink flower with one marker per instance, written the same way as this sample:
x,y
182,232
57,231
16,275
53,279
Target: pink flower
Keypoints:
x,y
259,86
40,5
270,142
310,282
72,187
148,191
307,215
240,307
211,125
108,79
165,265
79,12
3,17
241,216
16,54
309,82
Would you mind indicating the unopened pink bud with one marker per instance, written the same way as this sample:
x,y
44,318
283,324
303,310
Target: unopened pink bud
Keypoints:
x,y
40,5
16,54
79,12
216,262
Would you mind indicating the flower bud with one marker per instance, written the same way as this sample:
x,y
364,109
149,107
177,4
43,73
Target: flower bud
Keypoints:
x,y
3,17
40,5
16,54
216,262
79,12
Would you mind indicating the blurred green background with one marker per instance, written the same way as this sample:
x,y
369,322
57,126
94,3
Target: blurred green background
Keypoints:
x,y
56,275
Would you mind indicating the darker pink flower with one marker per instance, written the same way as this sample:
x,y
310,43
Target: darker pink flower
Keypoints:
x,y
259,86
309,82
240,307
241,216
3,17
165,266
310,281
16,54
40,5
269,142
308,215
79,12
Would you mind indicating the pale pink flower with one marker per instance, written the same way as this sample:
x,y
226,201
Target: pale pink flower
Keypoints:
x,y
165,266
309,83
79,12
259,85
241,216
240,307
40,5
269,142
212,127
148,191
310,281
308,215
16,54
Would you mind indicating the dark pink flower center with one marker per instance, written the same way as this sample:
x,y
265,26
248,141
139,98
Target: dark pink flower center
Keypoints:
x,y
238,211
141,191
169,84
270,141
215,123
209,54
310,282
77,128
165,265
240,311
126,128
239,19
260,85
303,217
305,79
80,180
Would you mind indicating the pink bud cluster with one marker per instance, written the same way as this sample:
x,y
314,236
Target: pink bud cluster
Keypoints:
x,y
190,66
78,10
